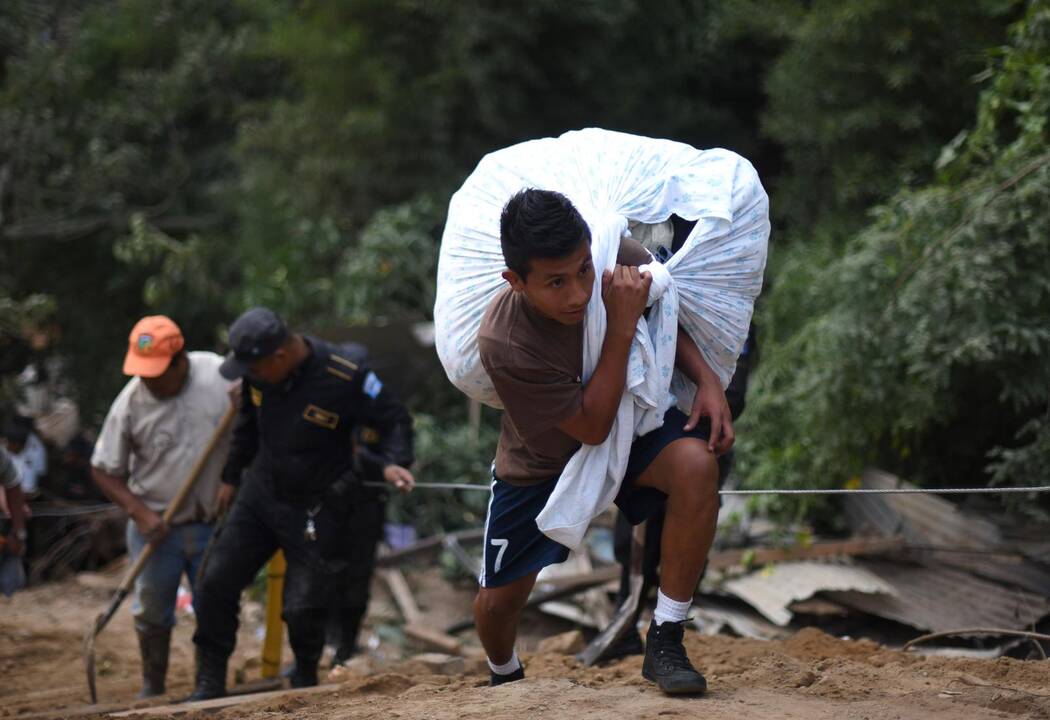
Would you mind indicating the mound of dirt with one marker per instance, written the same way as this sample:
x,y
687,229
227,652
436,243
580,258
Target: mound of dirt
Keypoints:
x,y
809,676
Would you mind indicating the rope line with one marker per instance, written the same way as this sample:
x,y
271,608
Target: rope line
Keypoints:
x,y
52,512
789,491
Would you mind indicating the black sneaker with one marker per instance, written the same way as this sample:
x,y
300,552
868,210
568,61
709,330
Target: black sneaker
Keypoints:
x,y
666,662
518,674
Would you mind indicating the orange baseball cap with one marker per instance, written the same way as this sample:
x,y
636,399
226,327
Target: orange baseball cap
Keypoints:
x,y
151,345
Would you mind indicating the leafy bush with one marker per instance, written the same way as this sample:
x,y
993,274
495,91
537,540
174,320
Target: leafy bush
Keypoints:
x,y
923,347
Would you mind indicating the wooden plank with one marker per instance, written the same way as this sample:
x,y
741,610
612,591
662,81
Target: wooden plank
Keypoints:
x,y
568,611
415,627
764,556
223,702
595,601
406,603
435,638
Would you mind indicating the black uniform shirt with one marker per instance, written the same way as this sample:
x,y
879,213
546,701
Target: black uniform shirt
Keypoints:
x,y
299,435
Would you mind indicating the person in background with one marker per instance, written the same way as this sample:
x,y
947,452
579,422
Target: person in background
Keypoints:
x,y
27,452
14,507
294,468
156,429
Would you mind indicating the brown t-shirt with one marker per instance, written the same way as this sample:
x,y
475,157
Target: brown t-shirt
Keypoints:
x,y
536,365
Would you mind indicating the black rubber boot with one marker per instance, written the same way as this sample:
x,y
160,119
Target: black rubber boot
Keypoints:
x,y
495,679
306,630
154,644
302,677
349,626
666,662
211,675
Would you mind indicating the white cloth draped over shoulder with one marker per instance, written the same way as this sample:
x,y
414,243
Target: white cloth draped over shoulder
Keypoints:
x,y
709,286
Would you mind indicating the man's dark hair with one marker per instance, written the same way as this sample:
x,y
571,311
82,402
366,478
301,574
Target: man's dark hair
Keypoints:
x,y
17,428
539,223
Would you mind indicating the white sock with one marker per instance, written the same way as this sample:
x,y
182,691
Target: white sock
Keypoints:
x,y
508,667
668,610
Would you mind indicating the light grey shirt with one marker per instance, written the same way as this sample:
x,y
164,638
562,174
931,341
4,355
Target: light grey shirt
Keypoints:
x,y
155,443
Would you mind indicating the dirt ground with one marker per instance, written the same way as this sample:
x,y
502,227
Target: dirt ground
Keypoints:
x,y
810,675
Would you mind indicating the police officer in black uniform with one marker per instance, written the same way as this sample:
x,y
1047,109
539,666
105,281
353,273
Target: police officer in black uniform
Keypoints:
x,y
300,480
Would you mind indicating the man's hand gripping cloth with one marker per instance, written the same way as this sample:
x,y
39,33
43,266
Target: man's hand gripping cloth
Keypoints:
x,y
709,285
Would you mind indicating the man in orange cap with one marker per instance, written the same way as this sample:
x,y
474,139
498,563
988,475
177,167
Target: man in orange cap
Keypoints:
x,y
154,432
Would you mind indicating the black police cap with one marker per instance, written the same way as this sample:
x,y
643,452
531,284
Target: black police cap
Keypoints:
x,y
254,335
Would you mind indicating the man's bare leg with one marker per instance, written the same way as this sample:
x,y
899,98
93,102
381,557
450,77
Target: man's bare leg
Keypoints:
x,y
687,472
497,611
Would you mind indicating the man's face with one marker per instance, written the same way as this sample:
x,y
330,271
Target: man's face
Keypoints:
x,y
169,383
272,369
558,288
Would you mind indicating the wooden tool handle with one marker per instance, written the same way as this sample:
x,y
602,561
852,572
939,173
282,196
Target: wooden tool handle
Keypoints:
x,y
180,497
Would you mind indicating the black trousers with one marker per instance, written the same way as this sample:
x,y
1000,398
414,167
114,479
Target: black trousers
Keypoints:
x,y
331,572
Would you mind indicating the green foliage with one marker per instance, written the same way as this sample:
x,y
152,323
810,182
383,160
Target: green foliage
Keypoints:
x,y
923,348
392,270
423,90
115,117
865,96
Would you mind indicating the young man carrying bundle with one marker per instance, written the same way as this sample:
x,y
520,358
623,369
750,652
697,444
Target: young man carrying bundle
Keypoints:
x,y
531,345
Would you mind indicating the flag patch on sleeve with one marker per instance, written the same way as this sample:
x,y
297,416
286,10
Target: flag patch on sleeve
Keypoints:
x,y
373,385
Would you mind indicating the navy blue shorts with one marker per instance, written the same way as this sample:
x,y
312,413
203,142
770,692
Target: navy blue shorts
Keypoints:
x,y
515,547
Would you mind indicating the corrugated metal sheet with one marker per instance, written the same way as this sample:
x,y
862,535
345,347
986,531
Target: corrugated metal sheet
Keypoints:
x,y
711,615
772,590
939,598
938,533
926,519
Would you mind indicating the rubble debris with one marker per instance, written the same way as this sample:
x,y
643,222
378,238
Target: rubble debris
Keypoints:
x,y
772,590
712,615
937,533
940,598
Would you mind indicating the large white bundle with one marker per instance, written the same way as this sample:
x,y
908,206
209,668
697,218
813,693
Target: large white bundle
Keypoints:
x,y
709,285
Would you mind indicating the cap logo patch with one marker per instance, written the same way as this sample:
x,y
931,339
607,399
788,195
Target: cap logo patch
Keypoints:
x,y
145,343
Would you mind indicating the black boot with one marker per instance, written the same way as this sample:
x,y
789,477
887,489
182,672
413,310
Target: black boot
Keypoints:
x,y
666,662
306,630
211,675
303,676
154,644
349,626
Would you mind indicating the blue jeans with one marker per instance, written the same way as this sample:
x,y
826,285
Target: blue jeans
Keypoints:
x,y
158,584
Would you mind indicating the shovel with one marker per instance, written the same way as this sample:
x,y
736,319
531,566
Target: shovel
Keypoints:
x,y
140,562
